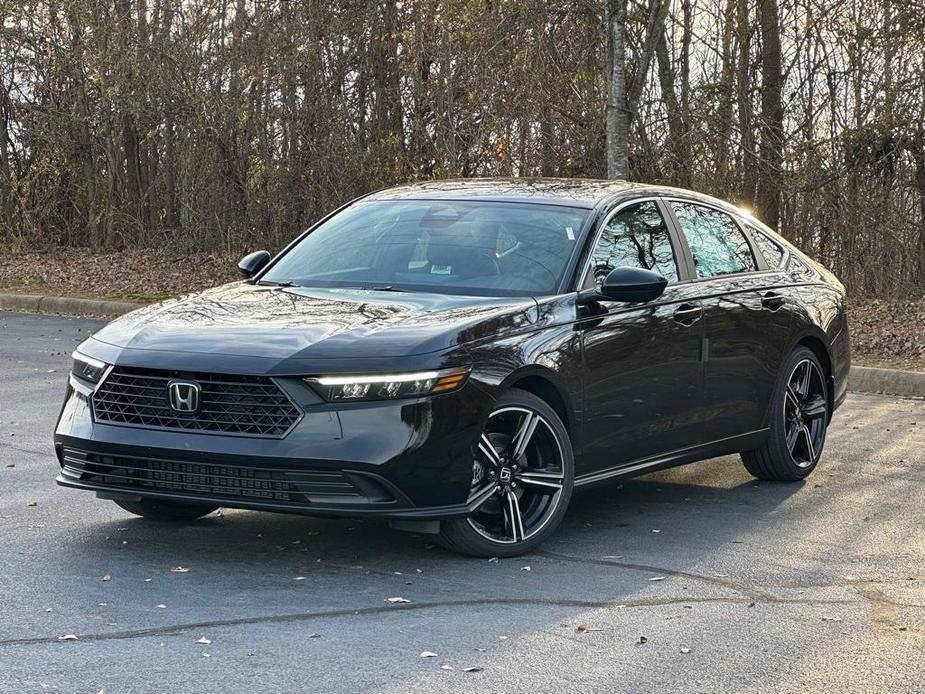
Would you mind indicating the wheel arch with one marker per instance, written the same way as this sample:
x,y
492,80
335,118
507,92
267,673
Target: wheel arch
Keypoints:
x,y
547,386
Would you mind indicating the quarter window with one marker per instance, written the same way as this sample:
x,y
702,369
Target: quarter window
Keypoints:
x,y
772,253
716,242
636,236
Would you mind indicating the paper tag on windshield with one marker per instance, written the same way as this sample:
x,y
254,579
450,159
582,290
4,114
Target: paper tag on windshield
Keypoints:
x,y
570,233
441,269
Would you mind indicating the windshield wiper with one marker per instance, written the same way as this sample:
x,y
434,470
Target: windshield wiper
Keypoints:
x,y
271,283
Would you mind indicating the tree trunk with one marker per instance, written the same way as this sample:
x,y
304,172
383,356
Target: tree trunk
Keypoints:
x,y
744,100
617,116
772,114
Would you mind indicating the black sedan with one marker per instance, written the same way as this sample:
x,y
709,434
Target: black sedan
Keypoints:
x,y
460,356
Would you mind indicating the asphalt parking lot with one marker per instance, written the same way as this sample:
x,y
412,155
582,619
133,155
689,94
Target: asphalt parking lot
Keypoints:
x,y
699,579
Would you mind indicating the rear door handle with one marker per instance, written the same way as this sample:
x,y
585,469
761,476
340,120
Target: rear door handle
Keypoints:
x,y
772,301
688,314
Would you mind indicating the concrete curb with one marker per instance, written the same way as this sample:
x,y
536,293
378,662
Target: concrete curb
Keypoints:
x,y
862,379
35,303
865,379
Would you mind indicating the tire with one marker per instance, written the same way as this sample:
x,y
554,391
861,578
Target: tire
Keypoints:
x,y
799,417
166,511
539,473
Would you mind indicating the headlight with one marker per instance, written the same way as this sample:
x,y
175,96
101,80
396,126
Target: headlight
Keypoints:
x,y
388,386
87,368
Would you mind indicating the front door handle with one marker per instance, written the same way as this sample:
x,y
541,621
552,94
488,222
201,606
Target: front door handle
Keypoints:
x,y
688,314
772,301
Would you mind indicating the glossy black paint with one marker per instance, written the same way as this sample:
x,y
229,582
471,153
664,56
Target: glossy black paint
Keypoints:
x,y
253,263
632,285
640,386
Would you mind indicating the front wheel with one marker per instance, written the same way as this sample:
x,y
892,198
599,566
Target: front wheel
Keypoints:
x,y
523,473
799,418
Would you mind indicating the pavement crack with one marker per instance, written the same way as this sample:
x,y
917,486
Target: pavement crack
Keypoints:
x,y
751,591
23,449
173,629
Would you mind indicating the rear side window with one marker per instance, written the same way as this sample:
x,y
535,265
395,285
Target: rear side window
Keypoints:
x,y
716,242
636,236
773,254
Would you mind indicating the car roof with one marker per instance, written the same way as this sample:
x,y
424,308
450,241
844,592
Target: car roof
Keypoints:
x,y
575,192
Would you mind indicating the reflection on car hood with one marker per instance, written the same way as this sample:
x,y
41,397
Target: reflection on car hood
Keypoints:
x,y
245,320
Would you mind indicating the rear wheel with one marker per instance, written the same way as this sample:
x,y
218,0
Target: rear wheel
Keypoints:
x,y
799,419
168,511
523,474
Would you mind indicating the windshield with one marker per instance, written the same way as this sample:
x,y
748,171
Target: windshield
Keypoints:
x,y
482,248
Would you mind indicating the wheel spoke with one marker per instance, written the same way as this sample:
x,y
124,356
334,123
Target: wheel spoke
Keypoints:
x,y
807,434
483,496
541,479
514,518
489,451
792,398
524,434
804,379
792,435
814,407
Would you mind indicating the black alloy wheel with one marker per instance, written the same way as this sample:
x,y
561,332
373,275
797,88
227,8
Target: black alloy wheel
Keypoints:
x,y
805,413
799,418
522,479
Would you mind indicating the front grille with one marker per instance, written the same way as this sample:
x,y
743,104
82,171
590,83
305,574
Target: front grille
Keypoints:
x,y
241,405
224,481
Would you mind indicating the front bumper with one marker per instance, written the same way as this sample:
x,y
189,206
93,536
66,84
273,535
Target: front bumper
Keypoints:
x,y
408,459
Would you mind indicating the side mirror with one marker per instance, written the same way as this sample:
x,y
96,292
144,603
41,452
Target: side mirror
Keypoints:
x,y
633,284
251,264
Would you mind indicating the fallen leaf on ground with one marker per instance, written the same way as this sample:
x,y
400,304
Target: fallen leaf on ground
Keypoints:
x,y
397,600
657,578
107,577
179,570
32,503
446,667
584,627
526,568
203,640
68,637
685,650
299,578
428,654
472,669
642,640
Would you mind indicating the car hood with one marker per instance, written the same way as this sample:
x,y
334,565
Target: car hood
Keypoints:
x,y
240,319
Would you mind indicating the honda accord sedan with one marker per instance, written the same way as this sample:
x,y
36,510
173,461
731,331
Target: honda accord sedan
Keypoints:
x,y
459,357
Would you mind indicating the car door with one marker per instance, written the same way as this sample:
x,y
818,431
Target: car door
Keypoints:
x,y
747,323
642,371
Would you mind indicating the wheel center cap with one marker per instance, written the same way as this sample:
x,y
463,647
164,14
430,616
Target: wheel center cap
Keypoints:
x,y
505,475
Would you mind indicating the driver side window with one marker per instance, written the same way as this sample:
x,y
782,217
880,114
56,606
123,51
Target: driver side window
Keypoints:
x,y
636,236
